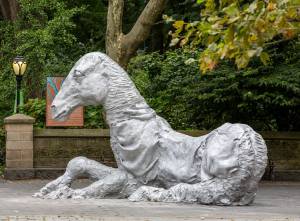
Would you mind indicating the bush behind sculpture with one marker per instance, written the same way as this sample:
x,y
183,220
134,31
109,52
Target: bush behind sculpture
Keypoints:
x,y
36,108
265,97
44,34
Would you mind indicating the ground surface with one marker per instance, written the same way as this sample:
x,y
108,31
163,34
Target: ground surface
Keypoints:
x,y
275,201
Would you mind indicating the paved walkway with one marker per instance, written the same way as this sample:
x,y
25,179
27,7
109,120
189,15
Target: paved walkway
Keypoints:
x,y
275,201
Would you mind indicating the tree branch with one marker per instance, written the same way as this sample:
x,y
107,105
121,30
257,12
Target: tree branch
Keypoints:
x,y
114,26
142,28
122,47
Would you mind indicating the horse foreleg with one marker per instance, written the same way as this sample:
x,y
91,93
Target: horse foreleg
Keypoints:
x,y
78,166
115,184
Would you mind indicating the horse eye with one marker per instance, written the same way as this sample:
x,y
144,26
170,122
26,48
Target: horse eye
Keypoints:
x,y
78,74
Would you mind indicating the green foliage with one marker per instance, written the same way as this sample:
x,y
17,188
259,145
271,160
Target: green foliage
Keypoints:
x,y
43,33
132,10
90,27
94,117
36,108
186,10
2,149
265,97
54,34
7,80
238,30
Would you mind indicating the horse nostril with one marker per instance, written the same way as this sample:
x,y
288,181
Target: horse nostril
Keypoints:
x,y
53,107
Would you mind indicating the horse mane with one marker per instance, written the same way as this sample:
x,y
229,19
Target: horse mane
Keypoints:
x,y
122,91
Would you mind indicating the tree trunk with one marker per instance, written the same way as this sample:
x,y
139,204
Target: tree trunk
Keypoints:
x,y
121,47
9,9
114,29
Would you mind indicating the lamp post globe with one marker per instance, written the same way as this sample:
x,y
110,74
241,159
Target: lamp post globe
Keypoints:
x,y
19,67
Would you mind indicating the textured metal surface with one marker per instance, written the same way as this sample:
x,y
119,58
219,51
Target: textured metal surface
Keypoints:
x,y
155,163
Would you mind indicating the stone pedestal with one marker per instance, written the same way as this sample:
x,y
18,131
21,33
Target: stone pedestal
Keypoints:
x,y
19,147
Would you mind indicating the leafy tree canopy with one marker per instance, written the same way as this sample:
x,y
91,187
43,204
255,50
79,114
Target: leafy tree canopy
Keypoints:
x,y
264,97
238,29
43,33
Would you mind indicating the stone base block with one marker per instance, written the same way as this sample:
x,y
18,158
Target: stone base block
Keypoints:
x,y
19,174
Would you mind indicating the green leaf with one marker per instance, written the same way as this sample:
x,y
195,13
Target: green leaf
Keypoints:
x,y
178,24
242,61
200,1
251,53
253,7
231,10
265,58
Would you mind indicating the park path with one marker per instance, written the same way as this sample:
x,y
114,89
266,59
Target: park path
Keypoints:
x,y
275,201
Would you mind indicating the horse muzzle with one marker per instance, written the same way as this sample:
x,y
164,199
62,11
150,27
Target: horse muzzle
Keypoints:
x,y
58,115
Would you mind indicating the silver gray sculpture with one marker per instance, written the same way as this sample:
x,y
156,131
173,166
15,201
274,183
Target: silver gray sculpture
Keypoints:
x,y
155,162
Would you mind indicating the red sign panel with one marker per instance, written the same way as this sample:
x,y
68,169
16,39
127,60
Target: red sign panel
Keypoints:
x,y
75,119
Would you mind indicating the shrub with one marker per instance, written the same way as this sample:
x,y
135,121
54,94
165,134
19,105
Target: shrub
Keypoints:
x,y
94,117
44,34
36,108
265,97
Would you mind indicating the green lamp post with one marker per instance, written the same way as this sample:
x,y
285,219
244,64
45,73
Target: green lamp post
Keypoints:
x,y
19,66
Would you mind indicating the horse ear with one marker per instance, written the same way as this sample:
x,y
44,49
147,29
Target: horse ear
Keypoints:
x,y
101,65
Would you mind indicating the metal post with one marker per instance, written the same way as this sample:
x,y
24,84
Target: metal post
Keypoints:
x,y
19,80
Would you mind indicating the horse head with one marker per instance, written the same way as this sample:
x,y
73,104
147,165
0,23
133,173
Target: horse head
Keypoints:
x,y
86,84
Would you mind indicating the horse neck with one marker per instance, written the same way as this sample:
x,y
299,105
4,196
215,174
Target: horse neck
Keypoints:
x,y
123,99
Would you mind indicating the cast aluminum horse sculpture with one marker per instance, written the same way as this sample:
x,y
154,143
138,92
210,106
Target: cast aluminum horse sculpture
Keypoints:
x,y
155,163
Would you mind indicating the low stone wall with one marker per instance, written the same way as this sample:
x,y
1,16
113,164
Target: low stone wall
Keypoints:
x,y
284,155
53,148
